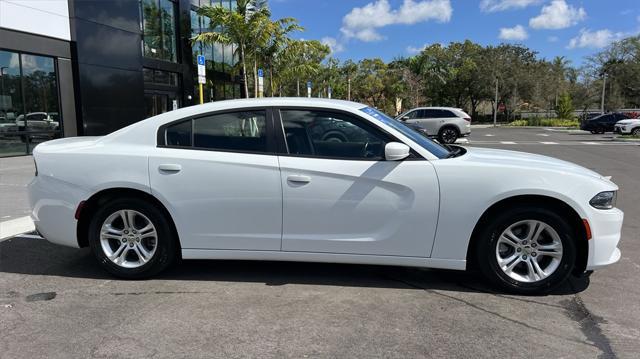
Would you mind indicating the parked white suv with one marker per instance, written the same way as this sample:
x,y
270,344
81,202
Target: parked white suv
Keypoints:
x,y
445,123
625,127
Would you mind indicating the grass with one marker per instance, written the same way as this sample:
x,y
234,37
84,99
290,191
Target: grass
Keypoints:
x,y
545,122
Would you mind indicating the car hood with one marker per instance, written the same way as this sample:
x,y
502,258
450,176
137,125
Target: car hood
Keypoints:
x,y
626,122
517,159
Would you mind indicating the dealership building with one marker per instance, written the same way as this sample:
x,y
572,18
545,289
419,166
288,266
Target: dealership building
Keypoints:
x,y
87,67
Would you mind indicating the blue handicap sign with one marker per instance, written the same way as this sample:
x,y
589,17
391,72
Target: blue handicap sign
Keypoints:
x,y
309,84
260,73
200,60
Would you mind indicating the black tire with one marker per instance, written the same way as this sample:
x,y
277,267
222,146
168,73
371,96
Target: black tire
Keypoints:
x,y
166,243
486,257
448,135
600,130
635,131
593,132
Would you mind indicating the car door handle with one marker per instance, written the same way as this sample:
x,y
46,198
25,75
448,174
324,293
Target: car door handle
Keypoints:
x,y
168,167
299,179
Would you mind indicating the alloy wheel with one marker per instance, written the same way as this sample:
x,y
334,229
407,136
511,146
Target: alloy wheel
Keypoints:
x,y
529,251
128,238
449,135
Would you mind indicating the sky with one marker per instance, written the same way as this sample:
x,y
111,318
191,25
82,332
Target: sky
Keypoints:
x,y
357,29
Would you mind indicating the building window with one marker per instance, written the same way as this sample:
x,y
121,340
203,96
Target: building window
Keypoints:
x,y
159,29
29,106
159,77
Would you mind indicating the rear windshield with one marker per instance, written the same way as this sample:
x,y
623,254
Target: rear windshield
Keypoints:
x,y
426,143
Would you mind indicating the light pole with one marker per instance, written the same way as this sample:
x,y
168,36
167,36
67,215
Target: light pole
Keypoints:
x,y
495,108
604,85
349,88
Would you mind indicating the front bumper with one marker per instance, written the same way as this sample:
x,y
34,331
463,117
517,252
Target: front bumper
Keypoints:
x,y
622,129
606,228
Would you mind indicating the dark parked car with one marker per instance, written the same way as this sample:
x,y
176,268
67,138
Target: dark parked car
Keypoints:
x,y
603,123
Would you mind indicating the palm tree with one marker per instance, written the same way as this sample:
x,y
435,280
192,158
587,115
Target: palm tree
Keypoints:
x,y
241,27
276,43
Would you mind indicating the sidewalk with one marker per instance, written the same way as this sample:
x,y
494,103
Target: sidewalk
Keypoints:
x,y
15,174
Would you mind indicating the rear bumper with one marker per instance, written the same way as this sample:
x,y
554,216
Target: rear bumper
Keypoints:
x,y
51,210
606,227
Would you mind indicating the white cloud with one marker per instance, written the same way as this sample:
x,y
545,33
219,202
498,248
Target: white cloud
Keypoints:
x,y
595,39
516,33
558,15
333,44
501,5
412,50
553,39
362,22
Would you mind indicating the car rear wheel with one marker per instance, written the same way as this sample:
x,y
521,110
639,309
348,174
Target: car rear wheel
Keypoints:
x,y
132,239
448,135
635,131
527,251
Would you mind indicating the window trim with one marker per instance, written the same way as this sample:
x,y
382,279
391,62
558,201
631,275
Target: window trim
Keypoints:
x,y
271,150
282,146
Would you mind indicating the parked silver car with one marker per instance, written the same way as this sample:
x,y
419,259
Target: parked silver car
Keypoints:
x,y
446,123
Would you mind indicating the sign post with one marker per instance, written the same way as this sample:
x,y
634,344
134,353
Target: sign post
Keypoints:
x,y
329,91
260,83
202,76
309,89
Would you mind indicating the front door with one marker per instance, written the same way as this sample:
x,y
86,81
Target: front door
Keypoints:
x,y
341,196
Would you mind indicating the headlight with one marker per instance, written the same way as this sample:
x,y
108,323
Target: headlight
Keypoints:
x,y
604,200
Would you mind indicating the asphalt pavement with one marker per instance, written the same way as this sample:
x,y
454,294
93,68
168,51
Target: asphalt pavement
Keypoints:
x,y
55,302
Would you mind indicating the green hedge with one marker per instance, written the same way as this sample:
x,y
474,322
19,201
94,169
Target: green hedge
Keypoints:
x,y
545,122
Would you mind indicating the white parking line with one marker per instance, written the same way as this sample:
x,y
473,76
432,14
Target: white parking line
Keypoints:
x,y
16,226
488,135
543,135
590,143
508,142
549,143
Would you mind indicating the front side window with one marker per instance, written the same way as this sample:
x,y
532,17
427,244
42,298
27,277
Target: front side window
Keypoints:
x,y
332,135
159,29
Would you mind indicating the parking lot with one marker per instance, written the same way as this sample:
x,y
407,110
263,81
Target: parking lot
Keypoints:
x,y
56,302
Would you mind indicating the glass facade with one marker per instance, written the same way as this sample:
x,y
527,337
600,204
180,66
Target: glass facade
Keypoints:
x,y
29,102
159,29
220,59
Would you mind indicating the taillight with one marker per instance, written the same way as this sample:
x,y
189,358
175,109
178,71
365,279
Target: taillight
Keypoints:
x,y
468,119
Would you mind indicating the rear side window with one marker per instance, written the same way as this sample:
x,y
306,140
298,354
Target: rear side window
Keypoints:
x,y
243,131
179,134
238,131
446,114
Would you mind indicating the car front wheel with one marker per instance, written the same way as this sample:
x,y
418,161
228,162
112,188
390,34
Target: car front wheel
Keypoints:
x,y
527,251
132,239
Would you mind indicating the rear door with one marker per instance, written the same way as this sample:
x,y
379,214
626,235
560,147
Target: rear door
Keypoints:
x,y
219,176
342,196
430,120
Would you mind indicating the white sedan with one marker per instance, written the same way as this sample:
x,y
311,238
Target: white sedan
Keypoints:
x,y
320,181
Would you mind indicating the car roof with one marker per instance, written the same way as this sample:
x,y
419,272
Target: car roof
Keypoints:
x,y
277,101
437,108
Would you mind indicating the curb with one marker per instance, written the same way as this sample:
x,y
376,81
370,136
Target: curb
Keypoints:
x,y
16,226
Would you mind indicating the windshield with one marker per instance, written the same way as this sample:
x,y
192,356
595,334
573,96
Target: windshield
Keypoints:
x,y
426,143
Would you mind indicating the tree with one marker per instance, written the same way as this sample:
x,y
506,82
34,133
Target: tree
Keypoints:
x,y
564,110
241,26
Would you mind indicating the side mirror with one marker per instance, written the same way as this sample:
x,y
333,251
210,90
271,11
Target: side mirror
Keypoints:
x,y
404,118
396,151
